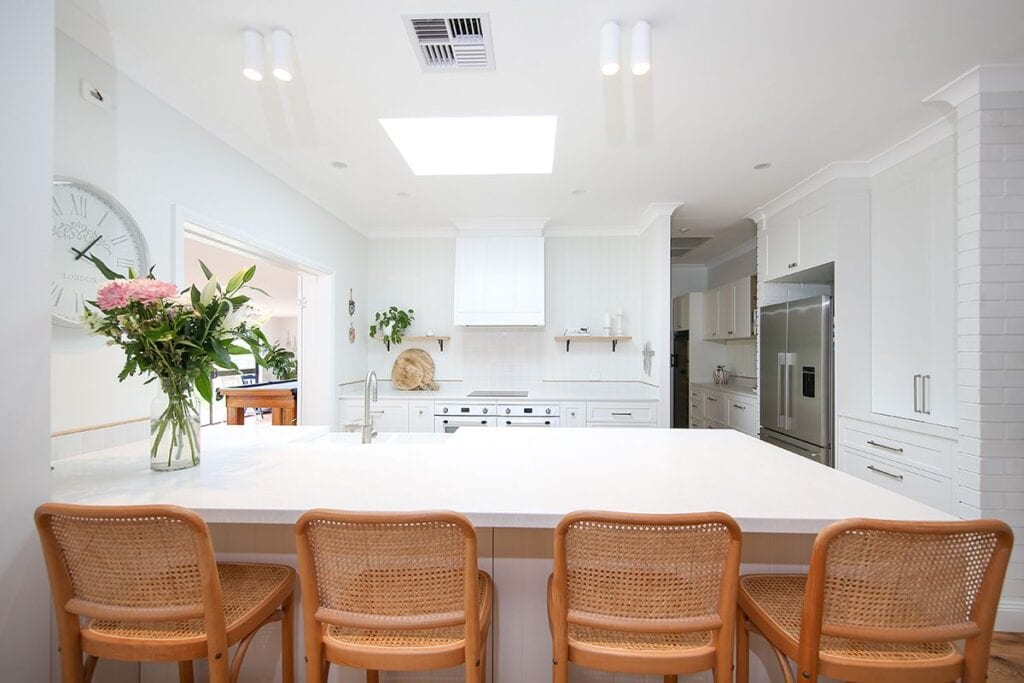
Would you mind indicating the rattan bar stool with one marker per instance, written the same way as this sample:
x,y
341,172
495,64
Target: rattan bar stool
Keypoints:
x,y
140,583
883,601
650,594
392,592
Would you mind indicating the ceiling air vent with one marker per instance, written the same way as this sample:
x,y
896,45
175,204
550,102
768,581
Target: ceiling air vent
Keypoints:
x,y
451,42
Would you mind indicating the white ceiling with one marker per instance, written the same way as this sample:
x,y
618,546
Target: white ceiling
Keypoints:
x,y
799,83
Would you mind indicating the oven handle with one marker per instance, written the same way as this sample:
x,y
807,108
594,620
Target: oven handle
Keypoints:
x,y
510,423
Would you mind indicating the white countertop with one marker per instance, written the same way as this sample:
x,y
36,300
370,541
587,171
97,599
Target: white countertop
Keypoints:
x,y
497,477
737,389
545,391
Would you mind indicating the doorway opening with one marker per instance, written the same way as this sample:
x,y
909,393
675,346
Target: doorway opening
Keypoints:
x,y
298,309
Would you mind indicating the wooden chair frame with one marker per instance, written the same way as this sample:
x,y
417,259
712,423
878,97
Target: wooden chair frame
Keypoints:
x,y
718,657
970,667
474,617
70,611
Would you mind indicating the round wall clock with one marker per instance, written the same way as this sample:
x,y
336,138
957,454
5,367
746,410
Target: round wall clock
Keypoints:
x,y
89,222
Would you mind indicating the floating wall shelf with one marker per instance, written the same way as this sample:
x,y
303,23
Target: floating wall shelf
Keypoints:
x,y
591,338
439,340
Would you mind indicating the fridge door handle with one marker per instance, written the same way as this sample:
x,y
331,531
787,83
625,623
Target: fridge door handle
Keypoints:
x,y
917,400
781,391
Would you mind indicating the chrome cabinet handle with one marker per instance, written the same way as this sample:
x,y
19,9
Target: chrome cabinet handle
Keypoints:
x,y
622,414
730,332
376,412
711,398
926,394
738,406
917,399
792,265
893,449
897,477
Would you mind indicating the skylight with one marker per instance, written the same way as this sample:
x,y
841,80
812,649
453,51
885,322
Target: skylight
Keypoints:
x,y
475,145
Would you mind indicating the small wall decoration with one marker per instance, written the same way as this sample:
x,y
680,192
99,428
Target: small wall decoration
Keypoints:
x,y
351,312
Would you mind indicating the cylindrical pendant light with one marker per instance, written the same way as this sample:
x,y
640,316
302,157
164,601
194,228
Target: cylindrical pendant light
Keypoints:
x,y
610,48
641,48
252,55
281,54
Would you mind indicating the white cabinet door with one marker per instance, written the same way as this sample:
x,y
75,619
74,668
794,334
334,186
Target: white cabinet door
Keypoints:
x,y
572,415
711,329
681,313
913,288
743,314
421,417
742,413
715,408
390,416
727,311
782,244
499,281
817,236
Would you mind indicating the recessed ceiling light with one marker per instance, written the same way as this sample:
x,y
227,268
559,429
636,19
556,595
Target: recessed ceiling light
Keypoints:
x,y
403,195
281,54
762,166
475,145
610,48
339,164
641,49
578,192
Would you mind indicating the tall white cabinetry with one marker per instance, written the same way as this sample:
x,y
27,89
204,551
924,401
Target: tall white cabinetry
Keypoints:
x,y
728,311
913,288
801,237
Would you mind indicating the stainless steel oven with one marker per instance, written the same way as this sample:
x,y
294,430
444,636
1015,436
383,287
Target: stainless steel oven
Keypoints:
x,y
451,417
521,415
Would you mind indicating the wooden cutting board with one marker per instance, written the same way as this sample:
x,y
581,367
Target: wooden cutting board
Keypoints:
x,y
413,370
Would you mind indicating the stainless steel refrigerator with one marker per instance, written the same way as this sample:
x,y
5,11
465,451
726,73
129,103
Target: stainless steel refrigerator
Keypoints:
x,y
796,377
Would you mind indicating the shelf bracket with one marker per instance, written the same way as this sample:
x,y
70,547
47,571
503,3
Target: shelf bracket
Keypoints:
x,y
567,345
441,344
387,344
615,342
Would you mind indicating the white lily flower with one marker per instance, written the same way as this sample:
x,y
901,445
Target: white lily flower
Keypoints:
x,y
209,291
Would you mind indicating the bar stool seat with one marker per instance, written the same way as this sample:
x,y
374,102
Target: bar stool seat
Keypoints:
x,y
252,594
443,645
586,640
774,603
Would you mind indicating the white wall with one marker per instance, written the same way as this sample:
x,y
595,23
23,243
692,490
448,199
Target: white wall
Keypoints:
x,y
150,158
584,277
26,147
656,311
687,278
741,265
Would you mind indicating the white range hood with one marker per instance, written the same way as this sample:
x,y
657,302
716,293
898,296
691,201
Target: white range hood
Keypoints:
x,y
499,272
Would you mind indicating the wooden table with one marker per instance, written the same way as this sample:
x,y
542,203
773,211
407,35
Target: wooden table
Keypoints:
x,y
280,397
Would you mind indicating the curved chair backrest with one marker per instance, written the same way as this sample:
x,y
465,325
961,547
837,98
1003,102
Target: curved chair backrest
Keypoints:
x,y
152,563
647,573
905,582
390,571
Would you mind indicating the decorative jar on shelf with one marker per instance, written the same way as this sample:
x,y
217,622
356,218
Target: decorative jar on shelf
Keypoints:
x,y
721,375
174,427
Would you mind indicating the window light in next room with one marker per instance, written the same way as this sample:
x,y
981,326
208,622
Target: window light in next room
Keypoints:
x,y
475,145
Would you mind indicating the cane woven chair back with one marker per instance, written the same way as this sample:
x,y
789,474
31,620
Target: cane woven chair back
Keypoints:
x,y
143,564
904,582
646,573
392,571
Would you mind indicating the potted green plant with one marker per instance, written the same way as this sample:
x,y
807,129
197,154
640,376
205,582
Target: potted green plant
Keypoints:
x,y
280,361
390,325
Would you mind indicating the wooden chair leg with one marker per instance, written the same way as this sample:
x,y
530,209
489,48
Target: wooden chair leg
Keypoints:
x,y
742,648
288,640
372,676
325,671
185,672
90,668
671,678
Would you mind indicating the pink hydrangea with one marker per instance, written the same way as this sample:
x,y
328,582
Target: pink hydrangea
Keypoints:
x,y
118,293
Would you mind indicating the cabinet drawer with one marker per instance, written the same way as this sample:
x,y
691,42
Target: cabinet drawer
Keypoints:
x,y
696,422
920,486
621,413
696,408
716,407
387,416
697,394
922,451
620,425
713,424
572,414
421,417
743,415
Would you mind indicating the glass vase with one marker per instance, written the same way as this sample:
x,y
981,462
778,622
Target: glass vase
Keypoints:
x,y
174,429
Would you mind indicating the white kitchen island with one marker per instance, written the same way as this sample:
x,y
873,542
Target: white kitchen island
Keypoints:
x,y
513,484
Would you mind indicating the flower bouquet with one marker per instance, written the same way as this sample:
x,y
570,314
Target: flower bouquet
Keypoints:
x,y
177,339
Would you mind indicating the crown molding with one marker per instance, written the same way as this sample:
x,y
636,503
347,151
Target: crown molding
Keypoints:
x,y
982,78
592,230
916,142
500,226
657,210
403,232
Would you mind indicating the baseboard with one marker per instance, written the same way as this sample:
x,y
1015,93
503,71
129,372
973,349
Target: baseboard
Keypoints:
x,y
1011,615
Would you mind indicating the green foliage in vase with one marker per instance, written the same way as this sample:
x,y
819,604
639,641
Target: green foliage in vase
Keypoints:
x,y
390,325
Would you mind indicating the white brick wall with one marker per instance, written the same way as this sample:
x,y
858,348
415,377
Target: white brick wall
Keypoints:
x,y
990,314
